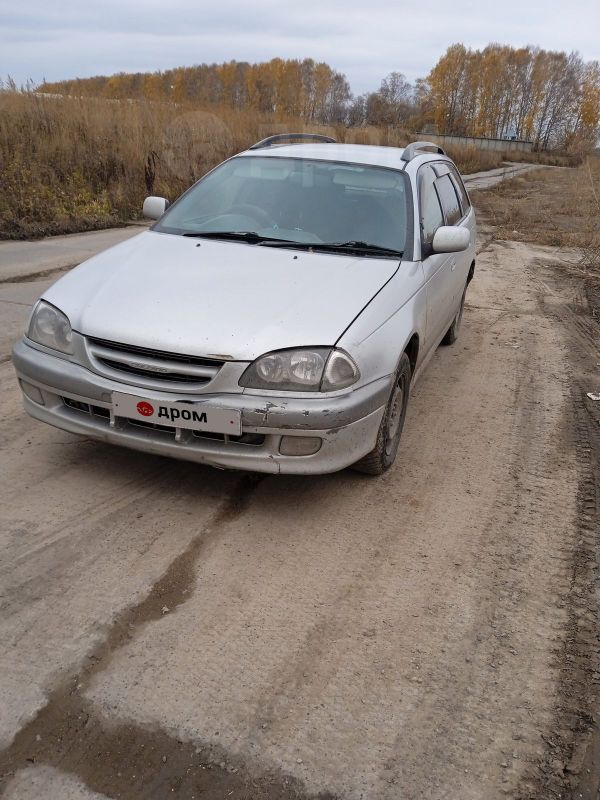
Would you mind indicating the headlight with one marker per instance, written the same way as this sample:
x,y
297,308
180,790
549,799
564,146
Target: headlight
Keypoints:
x,y
318,369
50,327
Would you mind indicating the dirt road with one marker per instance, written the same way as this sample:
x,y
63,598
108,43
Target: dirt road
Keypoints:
x,y
492,177
173,631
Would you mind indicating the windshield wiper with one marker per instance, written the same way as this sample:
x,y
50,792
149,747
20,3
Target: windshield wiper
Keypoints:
x,y
241,236
356,244
353,246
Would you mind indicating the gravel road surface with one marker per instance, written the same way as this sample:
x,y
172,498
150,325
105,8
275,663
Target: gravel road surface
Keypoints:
x,y
168,630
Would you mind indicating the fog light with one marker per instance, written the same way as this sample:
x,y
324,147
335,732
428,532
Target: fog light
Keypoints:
x,y
299,445
32,392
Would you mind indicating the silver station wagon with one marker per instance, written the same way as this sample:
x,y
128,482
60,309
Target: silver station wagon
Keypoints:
x,y
274,318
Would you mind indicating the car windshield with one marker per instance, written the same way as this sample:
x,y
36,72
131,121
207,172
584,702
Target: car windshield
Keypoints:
x,y
296,200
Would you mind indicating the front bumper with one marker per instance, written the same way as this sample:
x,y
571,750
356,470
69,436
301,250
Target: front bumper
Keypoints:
x,y
347,424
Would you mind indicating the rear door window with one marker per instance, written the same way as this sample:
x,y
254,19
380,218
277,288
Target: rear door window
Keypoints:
x,y
449,200
461,191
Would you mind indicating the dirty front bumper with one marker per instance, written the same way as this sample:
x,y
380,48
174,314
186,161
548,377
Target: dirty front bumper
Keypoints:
x,y
71,397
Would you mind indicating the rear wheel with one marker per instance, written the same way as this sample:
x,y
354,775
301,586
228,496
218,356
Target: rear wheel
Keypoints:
x,y
382,456
452,333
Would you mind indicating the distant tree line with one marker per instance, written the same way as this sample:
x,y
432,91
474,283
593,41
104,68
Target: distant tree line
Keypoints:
x,y
306,89
550,98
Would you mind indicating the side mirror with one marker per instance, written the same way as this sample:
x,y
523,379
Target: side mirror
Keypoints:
x,y
154,207
449,239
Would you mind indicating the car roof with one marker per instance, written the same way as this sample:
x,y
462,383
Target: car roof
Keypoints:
x,y
365,154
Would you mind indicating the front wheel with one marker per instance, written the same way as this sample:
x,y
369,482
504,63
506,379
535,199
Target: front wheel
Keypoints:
x,y
383,455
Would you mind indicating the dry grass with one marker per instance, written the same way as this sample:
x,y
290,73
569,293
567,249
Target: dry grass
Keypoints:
x,y
549,158
555,207
73,164
469,159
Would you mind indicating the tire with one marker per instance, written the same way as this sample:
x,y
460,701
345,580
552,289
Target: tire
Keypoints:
x,y
383,455
451,334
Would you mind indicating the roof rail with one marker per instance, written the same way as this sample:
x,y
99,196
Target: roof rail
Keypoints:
x,y
280,138
410,151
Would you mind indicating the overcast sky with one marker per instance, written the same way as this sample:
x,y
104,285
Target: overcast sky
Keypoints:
x,y
365,39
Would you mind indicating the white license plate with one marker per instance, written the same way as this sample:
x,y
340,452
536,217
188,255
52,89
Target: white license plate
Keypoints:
x,y
195,416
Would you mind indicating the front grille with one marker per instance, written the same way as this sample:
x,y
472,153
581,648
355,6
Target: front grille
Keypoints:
x,y
252,439
87,408
153,366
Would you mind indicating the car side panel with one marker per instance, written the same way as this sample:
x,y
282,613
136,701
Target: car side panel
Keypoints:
x,y
439,270
464,259
446,275
379,335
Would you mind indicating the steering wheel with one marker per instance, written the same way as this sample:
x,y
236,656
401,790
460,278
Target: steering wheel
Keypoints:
x,y
256,213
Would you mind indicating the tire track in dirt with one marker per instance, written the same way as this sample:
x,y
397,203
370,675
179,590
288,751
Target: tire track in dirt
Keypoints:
x,y
512,551
131,491
570,763
68,733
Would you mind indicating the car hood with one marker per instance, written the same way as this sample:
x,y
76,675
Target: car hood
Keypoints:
x,y
207,297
